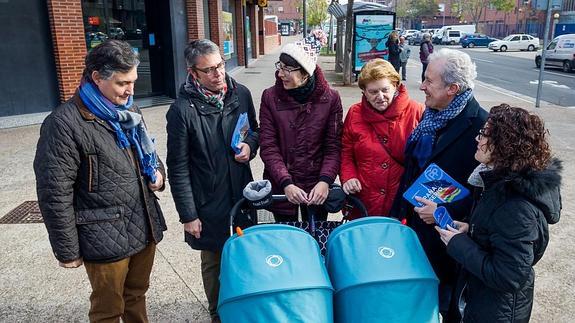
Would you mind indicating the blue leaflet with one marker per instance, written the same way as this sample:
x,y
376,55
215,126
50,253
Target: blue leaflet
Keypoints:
x,y
435,185
240,132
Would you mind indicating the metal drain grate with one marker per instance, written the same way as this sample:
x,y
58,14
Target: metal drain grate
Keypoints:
x,y
27,212
248,72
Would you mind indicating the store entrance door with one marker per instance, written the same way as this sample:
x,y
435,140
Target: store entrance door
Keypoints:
x,y
138,23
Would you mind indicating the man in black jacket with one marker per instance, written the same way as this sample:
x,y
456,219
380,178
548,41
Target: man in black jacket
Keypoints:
x,y
207,174
96,172
445,136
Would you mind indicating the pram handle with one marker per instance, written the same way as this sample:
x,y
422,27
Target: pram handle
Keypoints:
x,y
353,200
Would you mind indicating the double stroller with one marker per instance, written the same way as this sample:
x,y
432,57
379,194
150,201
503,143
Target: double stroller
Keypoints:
x,y
374,270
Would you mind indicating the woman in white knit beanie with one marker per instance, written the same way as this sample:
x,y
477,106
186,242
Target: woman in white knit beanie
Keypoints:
x,y
300,134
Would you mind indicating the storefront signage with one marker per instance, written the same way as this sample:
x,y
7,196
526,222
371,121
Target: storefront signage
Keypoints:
x,y
228,28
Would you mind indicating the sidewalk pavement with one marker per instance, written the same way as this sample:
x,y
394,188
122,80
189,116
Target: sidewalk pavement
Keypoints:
x,y
34,289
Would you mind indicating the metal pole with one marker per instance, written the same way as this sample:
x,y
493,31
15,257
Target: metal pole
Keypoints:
x,y
444,7
304,20
543,53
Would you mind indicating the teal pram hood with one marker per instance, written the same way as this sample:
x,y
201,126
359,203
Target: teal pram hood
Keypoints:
x,y
380,273
274,273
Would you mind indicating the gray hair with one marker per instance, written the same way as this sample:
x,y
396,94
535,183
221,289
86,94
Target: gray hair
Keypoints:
x,y
110,56
457,68
426,36
197,48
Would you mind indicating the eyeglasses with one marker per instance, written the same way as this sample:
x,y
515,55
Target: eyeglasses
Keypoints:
x,y
213,69
482,134
286,69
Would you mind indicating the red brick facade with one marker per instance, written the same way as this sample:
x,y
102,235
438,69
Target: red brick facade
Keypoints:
x,y
240,33
69,43
195,10
216,33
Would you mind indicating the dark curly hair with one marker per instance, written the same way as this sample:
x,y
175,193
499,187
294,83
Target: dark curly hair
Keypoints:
x,y
517,139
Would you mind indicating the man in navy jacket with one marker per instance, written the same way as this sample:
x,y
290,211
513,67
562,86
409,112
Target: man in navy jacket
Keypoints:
x,y
446,137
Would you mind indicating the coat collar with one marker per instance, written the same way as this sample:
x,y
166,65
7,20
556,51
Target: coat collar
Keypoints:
x,y
320,93
395,110
456,126
231,101
539,187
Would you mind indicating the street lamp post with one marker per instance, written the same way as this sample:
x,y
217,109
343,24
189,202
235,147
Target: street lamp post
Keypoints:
x,y
555,21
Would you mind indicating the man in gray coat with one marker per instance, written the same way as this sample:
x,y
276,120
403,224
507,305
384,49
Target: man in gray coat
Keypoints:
x,y
403,56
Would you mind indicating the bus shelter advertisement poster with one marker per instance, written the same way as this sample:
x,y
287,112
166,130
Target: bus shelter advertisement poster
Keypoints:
x,y
371,34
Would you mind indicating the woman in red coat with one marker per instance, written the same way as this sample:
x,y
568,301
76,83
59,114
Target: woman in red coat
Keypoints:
x,y
375,132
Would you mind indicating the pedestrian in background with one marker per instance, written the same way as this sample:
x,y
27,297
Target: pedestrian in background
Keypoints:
x,y
96,172
394,50
375,132
445,136
425,49
301,121
518,185
207,175
404,57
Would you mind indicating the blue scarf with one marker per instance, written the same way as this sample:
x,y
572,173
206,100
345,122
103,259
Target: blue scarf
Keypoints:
x,y
422,140
129,128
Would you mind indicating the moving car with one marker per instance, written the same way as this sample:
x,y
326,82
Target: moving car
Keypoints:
x,y
476,40
560,53
515,42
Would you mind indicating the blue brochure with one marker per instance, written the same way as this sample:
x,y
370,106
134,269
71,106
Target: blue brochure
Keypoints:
x,y
443,219
435,185
240,132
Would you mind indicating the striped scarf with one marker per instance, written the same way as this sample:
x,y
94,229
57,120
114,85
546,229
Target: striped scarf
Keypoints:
x,y
216,99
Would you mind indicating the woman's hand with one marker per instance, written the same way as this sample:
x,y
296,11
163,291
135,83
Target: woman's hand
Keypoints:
x,y
295,195
352,186
426,211
318,194
446,235
463,227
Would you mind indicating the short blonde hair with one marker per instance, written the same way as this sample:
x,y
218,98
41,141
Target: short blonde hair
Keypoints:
x,y
377,69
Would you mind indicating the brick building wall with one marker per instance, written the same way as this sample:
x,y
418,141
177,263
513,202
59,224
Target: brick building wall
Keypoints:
x,y
69,43
195,15
216,32
240,32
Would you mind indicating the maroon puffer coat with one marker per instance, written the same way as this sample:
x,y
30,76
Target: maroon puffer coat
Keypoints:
x,y
300,143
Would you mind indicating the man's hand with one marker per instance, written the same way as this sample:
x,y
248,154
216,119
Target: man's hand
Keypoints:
x,y
446,235
244,155
159,182
295,195
72,264
426,211
352,186
194,228
318,193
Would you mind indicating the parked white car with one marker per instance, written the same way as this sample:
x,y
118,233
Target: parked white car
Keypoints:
x,y
515,42
560,53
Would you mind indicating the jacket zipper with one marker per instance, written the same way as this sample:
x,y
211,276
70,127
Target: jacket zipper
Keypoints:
x,y
90,173
143,190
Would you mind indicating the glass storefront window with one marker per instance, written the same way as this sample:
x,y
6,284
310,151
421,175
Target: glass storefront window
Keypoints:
x,y
124,20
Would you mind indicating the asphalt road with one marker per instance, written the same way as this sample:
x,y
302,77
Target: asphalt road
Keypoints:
x,y
516,72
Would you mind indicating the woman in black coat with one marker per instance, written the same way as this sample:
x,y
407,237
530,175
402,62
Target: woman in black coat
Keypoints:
x,y
519,184
393,48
